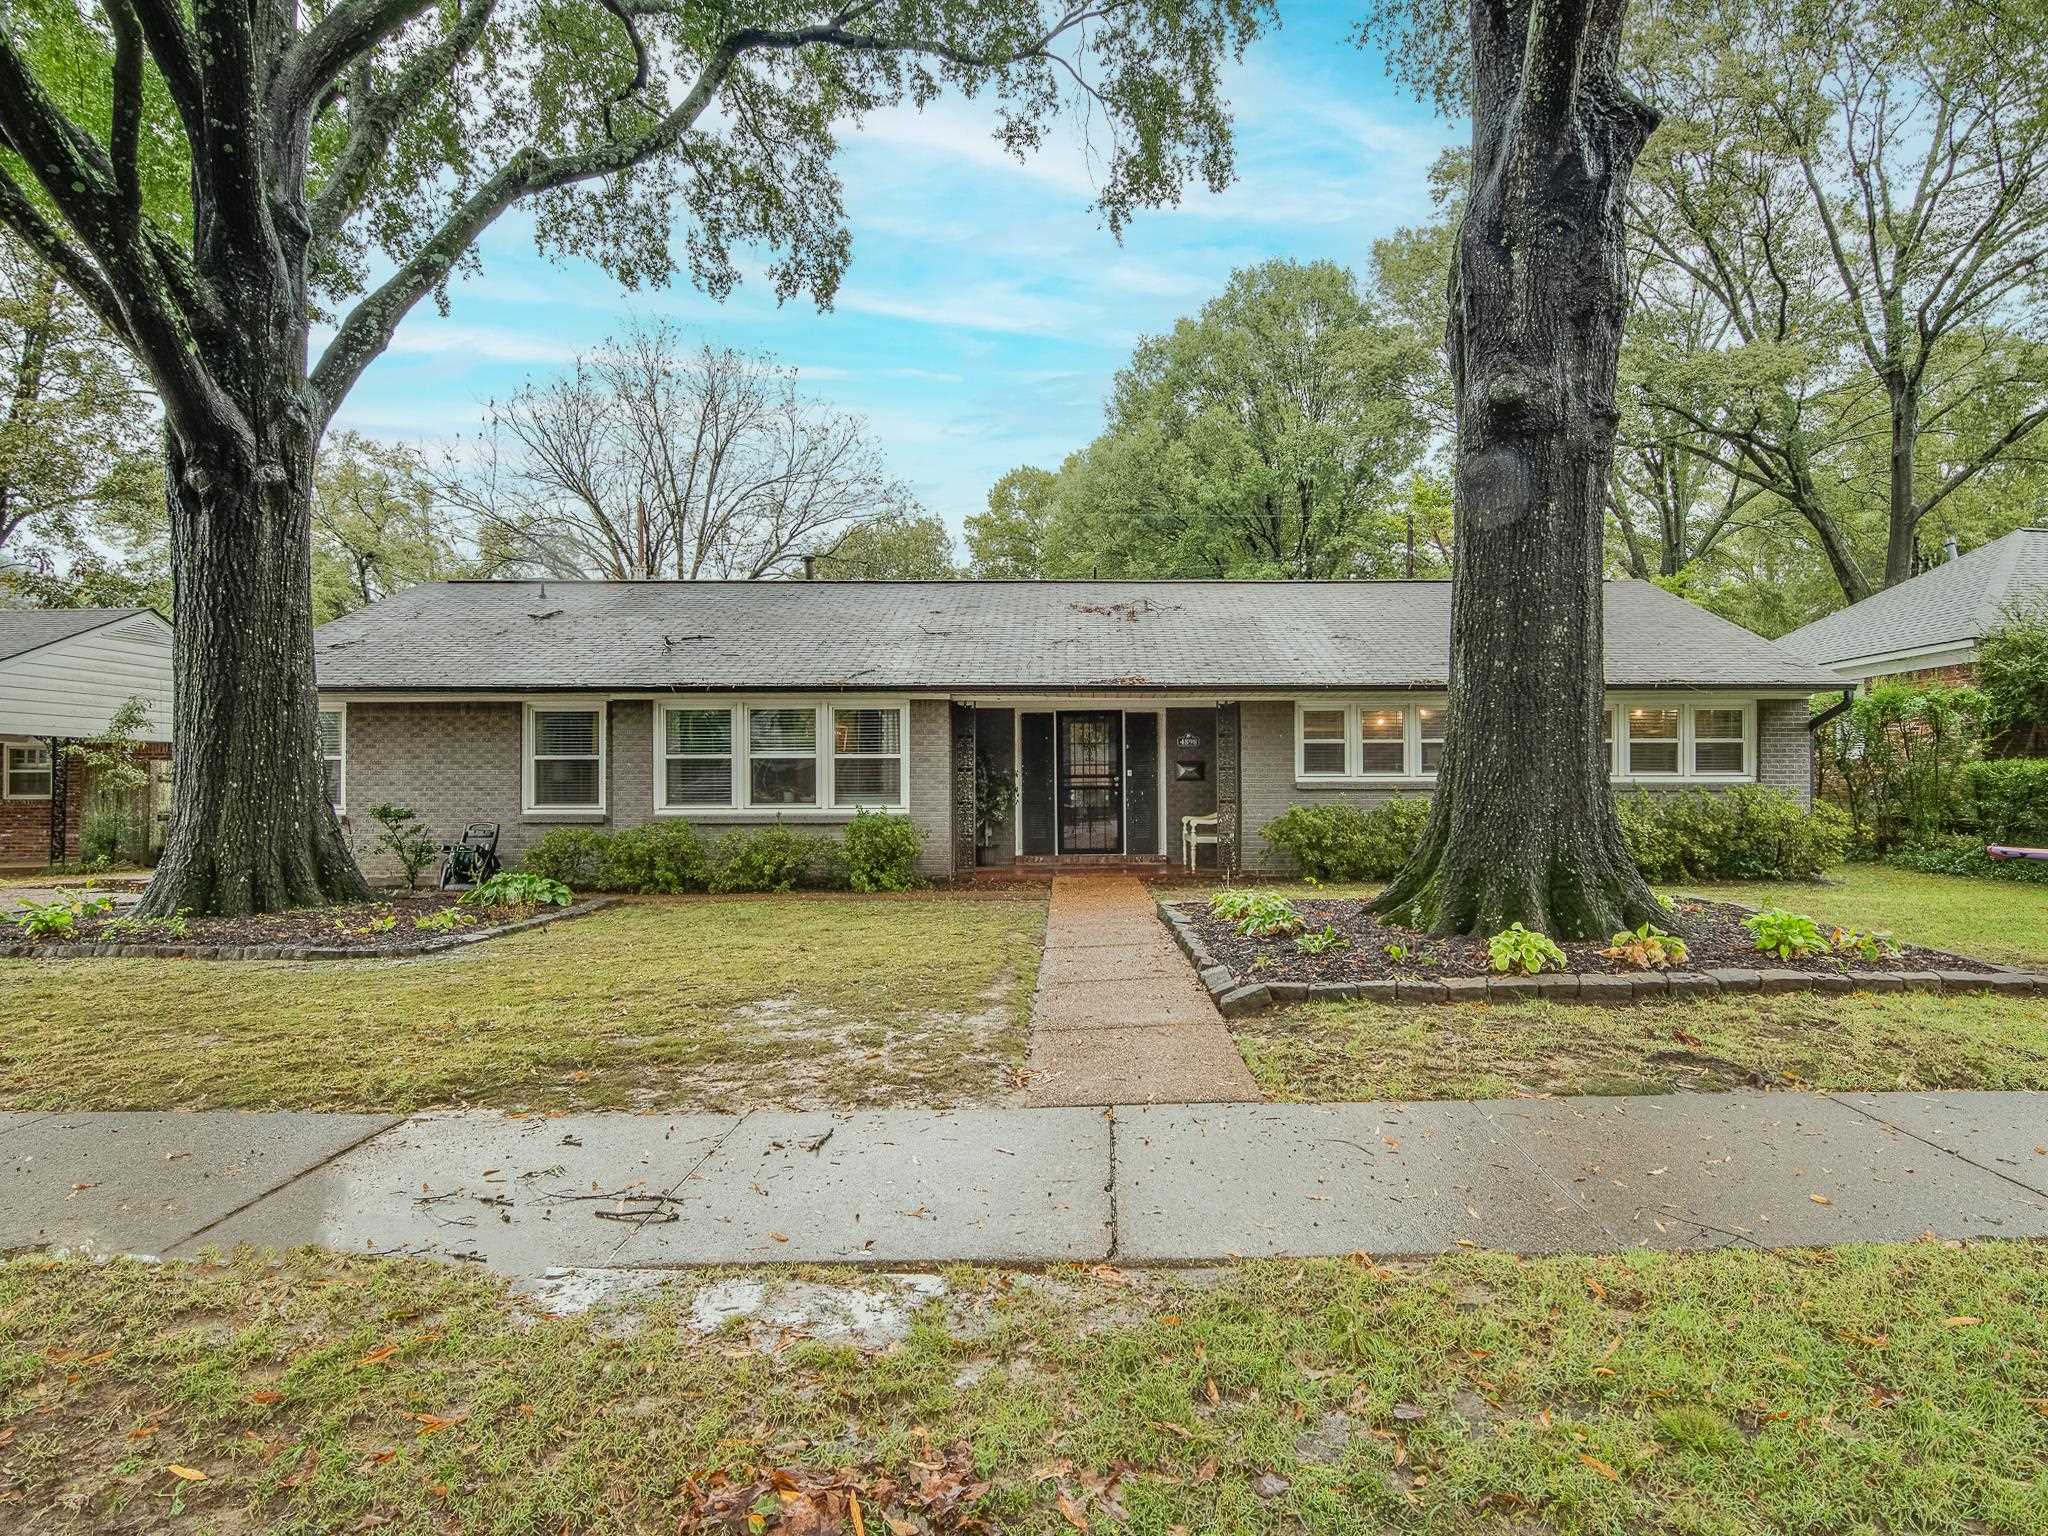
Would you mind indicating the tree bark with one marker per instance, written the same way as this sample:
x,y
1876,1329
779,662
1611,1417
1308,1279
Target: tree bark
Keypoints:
x,y
253,831
1523,827
1903,523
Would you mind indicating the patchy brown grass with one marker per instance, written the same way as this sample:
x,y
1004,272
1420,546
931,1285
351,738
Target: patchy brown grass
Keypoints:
x,y
805,1000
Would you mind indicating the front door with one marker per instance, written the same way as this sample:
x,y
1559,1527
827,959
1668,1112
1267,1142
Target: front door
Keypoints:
x,y
1091,812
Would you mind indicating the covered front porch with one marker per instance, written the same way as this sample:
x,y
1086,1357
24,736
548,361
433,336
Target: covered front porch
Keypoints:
x,y
1043,784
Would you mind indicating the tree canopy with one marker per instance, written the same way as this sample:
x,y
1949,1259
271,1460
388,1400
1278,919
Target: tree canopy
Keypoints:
x,y
1268,435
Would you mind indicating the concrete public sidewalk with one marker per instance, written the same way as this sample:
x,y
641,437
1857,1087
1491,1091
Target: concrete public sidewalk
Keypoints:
x,y
1144,1184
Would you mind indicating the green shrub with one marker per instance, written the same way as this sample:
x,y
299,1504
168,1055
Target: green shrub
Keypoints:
x,y
2012,669
2007,800
1515,949
1342,842
518,888
568,854
766,859
1897,758
58,919
662,858
1745,832
100,835
881,852
1959,855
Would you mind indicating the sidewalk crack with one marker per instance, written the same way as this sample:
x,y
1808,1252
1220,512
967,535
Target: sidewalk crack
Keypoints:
x,y
287,1183
1115,1238
1970,1162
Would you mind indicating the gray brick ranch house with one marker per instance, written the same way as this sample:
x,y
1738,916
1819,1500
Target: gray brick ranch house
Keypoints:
x,y
1115,709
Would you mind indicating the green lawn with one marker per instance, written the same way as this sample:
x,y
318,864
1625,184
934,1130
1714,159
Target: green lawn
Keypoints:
x,y
1364,1051
1884,1389
802,1000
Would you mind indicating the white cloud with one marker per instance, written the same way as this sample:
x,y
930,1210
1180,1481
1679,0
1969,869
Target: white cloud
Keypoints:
x,y
428,335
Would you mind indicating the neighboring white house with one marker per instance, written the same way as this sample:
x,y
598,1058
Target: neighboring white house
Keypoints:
x,y
63,674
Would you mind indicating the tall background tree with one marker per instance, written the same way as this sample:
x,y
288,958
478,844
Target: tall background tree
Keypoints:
x,y
385,136
653,455
1267,436
1522,826
380,525
77,450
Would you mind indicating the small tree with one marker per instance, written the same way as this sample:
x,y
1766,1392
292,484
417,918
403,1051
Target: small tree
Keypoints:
x,y
400,834
2012,670
113,757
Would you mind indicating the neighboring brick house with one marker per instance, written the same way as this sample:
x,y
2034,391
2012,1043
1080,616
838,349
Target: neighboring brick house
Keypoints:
x,y
1115,709
63,674
1925,630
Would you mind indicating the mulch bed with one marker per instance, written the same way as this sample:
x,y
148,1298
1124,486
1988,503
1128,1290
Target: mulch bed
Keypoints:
x,y
358,927
365,930
1712,930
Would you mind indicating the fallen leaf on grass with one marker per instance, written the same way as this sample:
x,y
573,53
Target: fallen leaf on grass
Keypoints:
x,y
264,1399
186,1474
1596,1287
434,1423
1408,1413
1962,1322
141,1432
1071,1512
1599,1466
379,1355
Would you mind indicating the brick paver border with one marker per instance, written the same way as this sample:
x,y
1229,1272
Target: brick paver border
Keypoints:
x,y
1236,996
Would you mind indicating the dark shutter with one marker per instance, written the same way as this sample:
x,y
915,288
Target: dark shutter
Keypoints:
x,y
1141,782
1035,787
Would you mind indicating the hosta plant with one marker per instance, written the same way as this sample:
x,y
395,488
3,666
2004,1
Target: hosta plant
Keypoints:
x,y
1269,917
516,888
1788,935
1515,951
1865,945
1321,941
1648,948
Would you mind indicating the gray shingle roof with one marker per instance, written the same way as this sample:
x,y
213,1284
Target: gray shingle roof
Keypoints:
x,y
23,629
1952,604
1102,637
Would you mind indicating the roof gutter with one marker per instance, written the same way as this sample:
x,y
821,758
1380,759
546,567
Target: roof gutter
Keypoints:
x,y
1821,719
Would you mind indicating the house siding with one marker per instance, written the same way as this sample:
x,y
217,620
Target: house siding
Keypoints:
x,y
453,763
1783,756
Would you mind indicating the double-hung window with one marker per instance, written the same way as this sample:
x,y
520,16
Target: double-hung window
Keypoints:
x,y
782,757
565,758
1720,742
1382,742
334,756
779,756
31,774
696,757
1652,741
1364,742
867,757
1322,744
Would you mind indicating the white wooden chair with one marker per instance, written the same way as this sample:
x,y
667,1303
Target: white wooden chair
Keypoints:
x,y
1195,833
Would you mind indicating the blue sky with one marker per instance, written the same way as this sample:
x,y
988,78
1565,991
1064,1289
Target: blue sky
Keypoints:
x,y
987,307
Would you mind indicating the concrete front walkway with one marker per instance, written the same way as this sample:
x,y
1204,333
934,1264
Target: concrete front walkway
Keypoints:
x,y
1119,1017
1135,1184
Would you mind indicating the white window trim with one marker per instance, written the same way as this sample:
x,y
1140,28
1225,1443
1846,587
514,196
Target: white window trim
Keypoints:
x,y
583,705
1687,708
741,806
7,770
341,782
828,742
1354,774
1617,705
733,755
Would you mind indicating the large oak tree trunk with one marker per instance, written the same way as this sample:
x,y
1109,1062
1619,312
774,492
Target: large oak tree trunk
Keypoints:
x,y
251,827
1523,825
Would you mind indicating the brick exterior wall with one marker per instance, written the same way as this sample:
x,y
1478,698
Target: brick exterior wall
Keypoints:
x,y
461,762
25,824
1784,762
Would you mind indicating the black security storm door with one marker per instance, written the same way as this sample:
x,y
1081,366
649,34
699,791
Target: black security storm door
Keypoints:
x,y
1091,781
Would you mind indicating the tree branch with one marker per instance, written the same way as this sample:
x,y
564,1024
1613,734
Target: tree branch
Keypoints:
x,y
375,118
177,60
317,59
21,215
125,136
